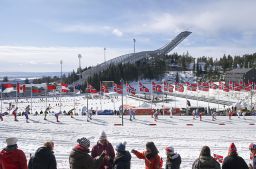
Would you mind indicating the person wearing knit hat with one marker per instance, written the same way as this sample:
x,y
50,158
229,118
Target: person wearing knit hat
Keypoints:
x,y
205,160
80,158
123,157
173,160
12,157
252,148
104,145
233,161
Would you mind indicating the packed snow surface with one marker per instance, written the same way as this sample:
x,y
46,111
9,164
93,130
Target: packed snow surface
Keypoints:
x,y
187,140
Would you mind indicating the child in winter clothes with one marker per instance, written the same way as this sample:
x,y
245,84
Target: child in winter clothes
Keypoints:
x,y
173,160
123,158
151,157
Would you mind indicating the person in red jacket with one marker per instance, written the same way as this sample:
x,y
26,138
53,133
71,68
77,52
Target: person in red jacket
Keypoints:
x,y
11,157
104,145
151,157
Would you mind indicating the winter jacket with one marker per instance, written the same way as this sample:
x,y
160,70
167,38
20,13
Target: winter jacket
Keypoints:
x,y
80,159
173,161
43,159
205,162
234,162
152,163
12,158
122,160
99,148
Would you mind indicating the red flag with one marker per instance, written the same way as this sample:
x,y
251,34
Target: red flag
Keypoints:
x,y
118,88
218,158
179,87
204,86
248,86
226,88
104,88
21,88
90,89
165,86
143,88
35,89
51,87
171,87
64,87
237,87
221,85
156,87
213,85
192,87
7,88
130,89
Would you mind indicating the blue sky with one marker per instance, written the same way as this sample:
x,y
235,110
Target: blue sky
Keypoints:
x,y
36,34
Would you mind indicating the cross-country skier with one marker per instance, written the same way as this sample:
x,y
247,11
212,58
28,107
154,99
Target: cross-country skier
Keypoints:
x,y
155,115
47,110
14,113
57,116
132,114
71,112
214,116
89,115
27,109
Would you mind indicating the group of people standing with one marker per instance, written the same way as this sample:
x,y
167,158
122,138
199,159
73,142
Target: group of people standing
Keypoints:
x,y
103,156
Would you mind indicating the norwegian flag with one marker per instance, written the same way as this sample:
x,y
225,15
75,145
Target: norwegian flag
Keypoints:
x,y
118,88
213,85
237,87
104,88
204,86
221,85
248,86
51,87
64,87
130,89
166,86
179,87
225,88
192,87
143,88
156,87
90,89
21,88
218,158
171,87
231,85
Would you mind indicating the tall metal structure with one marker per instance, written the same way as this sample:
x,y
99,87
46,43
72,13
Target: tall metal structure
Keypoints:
x,y
134,57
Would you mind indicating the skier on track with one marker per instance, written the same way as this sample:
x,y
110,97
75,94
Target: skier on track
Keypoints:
x,y
214,116
14,113
155,115
27,109
47,110
57,116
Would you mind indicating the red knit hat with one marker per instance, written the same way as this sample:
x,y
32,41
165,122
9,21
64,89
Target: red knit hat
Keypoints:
x,y
232,148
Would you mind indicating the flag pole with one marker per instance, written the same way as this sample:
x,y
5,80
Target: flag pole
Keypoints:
x,y
122,81
17,85
1,101
31,98
45,97
100,97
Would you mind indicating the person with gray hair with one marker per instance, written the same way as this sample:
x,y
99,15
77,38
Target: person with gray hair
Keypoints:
x,y
205,160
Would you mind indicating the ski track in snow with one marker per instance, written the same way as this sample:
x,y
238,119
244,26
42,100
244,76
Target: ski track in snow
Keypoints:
x,y
187,140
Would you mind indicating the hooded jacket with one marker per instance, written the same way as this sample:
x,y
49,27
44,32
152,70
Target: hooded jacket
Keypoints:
x,y
99,148
173,161
234,162
205,162
43,159
122,160
80,159
13,158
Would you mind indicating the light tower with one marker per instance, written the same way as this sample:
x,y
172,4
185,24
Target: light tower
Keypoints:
x,y
79,68
104,54
134,41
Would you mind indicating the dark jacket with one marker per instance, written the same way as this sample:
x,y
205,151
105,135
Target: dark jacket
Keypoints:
x,y
80,159
43,159
234,162
12,158
205,162
122,160
98,149
173,161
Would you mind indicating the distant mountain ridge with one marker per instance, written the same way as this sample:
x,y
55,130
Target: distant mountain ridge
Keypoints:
x,y
29,75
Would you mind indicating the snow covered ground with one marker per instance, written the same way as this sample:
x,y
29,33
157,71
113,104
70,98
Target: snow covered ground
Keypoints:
x,y
187,140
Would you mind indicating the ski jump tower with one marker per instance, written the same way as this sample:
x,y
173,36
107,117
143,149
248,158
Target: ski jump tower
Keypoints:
x,y
134,57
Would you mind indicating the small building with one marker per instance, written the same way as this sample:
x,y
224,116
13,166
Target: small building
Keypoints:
x,y
244,74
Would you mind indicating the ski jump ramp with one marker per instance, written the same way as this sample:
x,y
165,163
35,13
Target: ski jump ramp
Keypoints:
x,y
134,57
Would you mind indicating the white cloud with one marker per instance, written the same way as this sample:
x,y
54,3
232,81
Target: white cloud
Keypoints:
x,y
30,58
82,28
117,32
